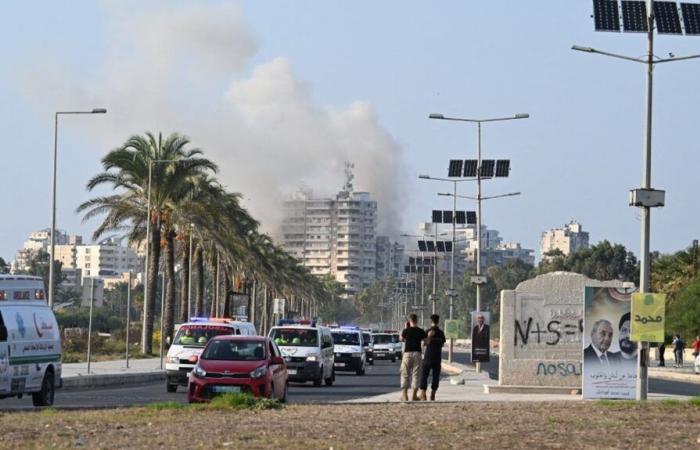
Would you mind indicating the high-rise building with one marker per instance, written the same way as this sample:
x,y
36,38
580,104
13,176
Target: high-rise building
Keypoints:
x,y
567,239
107,258
334,236
389,259
41,241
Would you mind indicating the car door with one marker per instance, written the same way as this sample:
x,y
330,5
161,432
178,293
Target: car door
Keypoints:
x,y
279,371
4,357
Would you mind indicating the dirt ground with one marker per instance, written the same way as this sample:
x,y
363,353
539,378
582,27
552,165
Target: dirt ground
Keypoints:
x,y
569,425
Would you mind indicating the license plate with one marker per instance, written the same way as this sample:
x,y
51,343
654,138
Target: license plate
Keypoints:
x,y
226,389
291,371
339,364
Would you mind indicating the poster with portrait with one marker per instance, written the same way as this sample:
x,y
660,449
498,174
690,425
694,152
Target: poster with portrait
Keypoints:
x,y
609,355
481,336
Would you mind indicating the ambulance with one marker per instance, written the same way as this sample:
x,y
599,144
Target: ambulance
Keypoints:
x,y
190,340
30,341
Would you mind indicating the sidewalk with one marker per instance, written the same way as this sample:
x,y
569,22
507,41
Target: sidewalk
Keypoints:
x,y
468,386
106,373
685,373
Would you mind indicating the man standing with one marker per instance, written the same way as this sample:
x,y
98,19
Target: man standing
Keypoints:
x,y
596,355
432,359
412,336
481,340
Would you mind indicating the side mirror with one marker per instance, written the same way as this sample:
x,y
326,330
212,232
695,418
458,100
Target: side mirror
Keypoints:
x,y
3,333
277,360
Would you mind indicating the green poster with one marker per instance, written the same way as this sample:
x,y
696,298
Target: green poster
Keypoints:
x,y
452,329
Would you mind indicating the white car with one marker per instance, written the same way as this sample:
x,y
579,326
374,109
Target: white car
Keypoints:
x,y
307,349
30,341
384,347
190,339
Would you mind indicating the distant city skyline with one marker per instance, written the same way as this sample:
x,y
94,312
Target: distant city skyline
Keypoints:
x,y
283,93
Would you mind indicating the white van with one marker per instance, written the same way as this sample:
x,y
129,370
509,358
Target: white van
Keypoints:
x,y
190,339
349,350
30,341
307,349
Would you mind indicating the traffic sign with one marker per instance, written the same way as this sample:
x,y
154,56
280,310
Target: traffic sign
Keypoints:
x,y
478,279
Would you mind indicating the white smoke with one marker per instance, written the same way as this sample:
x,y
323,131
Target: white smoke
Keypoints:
x,y
186,69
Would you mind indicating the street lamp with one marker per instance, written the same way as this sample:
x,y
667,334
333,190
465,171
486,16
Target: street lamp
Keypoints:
x,y
479,198
53,192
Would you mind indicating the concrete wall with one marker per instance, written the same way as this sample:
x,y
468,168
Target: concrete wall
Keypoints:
x,y
541,330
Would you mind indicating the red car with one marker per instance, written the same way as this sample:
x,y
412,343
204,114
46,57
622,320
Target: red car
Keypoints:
x,y
237,363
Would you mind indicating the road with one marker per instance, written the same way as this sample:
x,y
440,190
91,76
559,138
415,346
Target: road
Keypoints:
x,y
380,378
656,386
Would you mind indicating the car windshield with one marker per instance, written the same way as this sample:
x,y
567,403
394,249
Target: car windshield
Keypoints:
x,y
383,339
342,338
298,337
226,350
366,338
199,335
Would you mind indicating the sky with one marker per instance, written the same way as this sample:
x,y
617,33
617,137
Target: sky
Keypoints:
x,y
281,93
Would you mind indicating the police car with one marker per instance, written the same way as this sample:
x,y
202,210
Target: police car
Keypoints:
x,y
350,354
307,349
190,339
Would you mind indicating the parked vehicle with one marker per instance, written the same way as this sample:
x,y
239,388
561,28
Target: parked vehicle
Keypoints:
x,y
251,364
190,339
307,349
30,341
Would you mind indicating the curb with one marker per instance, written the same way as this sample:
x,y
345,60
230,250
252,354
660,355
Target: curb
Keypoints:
x,y
91,381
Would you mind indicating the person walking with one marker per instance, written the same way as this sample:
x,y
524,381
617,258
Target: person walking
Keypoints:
x,y
678,347
696,355
662,350
412,336
432,358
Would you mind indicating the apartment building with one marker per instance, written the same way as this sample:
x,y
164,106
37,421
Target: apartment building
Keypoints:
x,y
567,239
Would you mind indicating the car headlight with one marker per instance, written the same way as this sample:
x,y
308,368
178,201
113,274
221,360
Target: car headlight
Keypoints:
x,y
199,372
172,360
312,358
259,372
357,354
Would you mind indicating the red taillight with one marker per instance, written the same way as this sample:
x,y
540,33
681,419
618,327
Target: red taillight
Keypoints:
x,y
39,294
2,295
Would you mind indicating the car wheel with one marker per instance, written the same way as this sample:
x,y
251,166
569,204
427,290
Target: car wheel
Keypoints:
x,y
371,362
318,381
170,387
393,359
360,371
45,396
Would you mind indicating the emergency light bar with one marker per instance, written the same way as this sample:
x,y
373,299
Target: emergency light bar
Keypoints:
x,y
309,322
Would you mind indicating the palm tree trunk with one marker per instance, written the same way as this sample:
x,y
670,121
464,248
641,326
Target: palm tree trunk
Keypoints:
x,y
150,302
169,314
227,291
199,294
185,292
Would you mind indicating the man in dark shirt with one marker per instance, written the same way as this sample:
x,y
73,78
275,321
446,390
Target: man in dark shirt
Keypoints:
x,y
432,359
411,360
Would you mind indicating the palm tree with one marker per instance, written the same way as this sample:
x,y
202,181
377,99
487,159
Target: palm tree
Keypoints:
x,y
126,169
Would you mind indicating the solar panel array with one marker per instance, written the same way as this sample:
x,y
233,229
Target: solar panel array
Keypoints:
x,y
431,246
461,217
468,168
667,17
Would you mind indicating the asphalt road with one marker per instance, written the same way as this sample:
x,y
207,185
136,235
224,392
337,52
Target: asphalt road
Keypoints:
x,y
656,386
380,378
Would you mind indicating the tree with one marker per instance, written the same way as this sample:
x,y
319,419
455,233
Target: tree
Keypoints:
x,y
4,267
603,261
126,169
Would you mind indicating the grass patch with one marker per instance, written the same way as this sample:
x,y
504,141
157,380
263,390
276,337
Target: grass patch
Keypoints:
x,y
607,402
160,406
234,401
695,401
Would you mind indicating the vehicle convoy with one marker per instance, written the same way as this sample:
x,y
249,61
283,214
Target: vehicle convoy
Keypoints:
x,y
384,346
30,341
368,345
249,364
307,350
349,352
190,340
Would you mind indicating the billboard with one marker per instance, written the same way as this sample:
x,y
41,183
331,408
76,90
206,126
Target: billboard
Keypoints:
x,y
481,335
609,355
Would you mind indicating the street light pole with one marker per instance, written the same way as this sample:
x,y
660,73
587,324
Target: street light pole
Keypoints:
x,y
53,194
128,317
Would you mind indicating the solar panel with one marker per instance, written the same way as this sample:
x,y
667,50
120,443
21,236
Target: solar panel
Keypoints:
x,y
634,16
461,217
431,246
437,216
455,169
470,167
691,18
440,246
448,246
447,217
421,246
502,167
471,217
487,166
407,269
411,261
667,19
606,15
